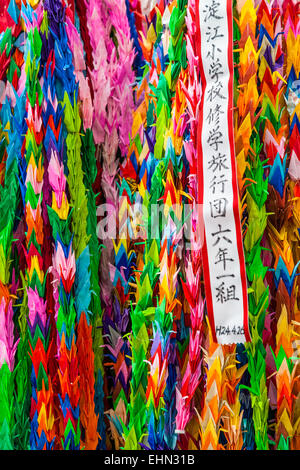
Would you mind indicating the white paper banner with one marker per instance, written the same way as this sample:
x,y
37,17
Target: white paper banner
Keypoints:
x,y
223,257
